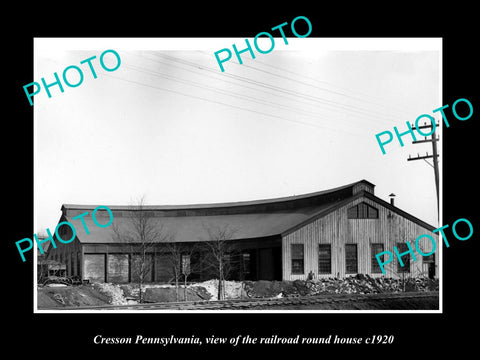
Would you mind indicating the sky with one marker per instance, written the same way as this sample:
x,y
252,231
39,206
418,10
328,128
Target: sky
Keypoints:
x,y
169,125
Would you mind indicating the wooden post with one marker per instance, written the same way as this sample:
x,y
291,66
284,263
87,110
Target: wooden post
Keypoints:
x,y
435,168
434,158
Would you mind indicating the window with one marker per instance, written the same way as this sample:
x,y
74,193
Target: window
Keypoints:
x,y
353,212
186,265
227,260
429,258
324,259
376,248
402,247
297,258
118,268
351,266
246,263
372,213
141,267
94,267
362,211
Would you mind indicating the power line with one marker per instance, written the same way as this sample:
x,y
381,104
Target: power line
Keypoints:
x,y
276,88
382,101
228,93
368,117
232,106
335,105
307,84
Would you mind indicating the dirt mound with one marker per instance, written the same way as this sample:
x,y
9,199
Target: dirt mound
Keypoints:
x,y
83,295
358,284
265,289
105,293
201,292
167,294
45,301
354,303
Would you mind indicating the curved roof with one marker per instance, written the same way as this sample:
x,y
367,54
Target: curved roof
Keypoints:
x,y
295,200
246,219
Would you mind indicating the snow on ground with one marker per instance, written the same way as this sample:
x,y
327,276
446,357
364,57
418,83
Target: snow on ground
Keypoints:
x,y
212,287
114,292
233,290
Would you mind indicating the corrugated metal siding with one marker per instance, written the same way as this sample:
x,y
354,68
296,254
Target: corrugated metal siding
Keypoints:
x,y
336,229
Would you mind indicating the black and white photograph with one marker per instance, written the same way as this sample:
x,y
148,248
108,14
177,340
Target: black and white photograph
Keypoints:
x,y
219,181
255,188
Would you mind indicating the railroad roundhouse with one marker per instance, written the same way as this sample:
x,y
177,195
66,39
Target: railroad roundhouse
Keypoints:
x,y
331,233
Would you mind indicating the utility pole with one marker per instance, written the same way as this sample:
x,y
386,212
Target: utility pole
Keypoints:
x,y
434,156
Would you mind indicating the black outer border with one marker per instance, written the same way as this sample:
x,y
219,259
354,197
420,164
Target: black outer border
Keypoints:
x,y
429,334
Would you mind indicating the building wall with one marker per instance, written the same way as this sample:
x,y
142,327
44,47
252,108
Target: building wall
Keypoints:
x,y
114,262
336,229
69,254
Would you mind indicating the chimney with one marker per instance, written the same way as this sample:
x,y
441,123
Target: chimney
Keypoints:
x,y
392,199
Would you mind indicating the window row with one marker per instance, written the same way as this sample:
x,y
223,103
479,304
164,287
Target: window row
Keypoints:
x,y
161,267
351,258
362,211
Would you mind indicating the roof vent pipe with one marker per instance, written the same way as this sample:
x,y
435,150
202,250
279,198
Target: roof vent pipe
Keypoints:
x,y
392,199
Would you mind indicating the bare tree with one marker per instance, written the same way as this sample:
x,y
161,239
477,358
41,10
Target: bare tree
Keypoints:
x,y
179,257
186,271
188,267
219,254
173,252
142,232
410,270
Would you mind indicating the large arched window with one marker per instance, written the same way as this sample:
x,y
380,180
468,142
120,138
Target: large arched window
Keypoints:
x,y
362,211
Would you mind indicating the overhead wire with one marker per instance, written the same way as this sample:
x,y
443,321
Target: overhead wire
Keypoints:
x,y
300,110
397,107
226,81
381,103
320,100
230,105
313,86
224,92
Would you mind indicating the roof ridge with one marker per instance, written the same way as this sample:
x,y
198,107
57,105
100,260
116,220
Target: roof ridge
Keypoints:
x,y
221,204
